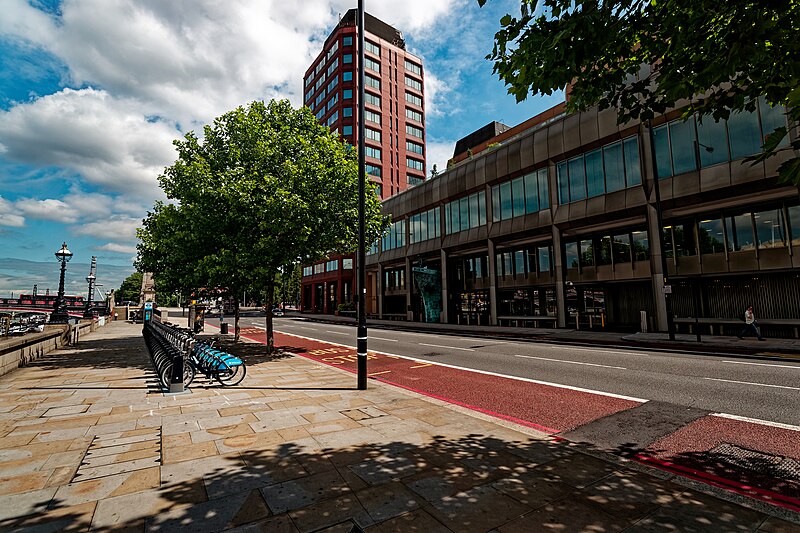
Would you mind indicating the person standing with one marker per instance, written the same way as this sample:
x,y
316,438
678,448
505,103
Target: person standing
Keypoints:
x,y
750,324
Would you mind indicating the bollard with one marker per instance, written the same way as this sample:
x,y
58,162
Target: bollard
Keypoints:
x,y
176,380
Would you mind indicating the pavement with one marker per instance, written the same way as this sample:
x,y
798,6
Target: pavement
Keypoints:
x,y
89,442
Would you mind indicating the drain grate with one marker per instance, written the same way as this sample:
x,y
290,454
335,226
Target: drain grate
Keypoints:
x,y
120,453
759,462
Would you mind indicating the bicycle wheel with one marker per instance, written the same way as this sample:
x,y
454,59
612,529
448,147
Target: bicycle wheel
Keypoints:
x,y
188,375
230,375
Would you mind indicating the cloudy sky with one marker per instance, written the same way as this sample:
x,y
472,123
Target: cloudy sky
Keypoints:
x,y
92,93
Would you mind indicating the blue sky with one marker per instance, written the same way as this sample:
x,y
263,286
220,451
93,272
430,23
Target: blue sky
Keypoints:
x,y
93,92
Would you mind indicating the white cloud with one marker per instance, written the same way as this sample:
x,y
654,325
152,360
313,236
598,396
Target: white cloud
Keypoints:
x,y
9,216
108,141
115,228
438,153
49,209
117,248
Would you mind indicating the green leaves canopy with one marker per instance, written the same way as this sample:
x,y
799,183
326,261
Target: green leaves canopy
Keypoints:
x,y
267,186
721,56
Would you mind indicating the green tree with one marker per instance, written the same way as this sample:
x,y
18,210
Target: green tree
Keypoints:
x,y
130,290
267,186
720,56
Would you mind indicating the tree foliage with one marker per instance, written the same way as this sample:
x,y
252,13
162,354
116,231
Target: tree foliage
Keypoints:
x,y
267,186
130,289
720,56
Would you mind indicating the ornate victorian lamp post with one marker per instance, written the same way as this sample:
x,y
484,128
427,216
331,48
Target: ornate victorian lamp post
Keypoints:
x,y
87,313
59,314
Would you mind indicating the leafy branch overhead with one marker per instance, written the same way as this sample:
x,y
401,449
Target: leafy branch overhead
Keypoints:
x,y
644,57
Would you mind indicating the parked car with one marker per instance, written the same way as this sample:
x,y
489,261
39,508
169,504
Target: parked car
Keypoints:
x,y
277,312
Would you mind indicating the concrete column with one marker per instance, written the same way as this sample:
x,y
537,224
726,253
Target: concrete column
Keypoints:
x,y
379,290
492,283
560,275
445,297
409,289
314,298
656,250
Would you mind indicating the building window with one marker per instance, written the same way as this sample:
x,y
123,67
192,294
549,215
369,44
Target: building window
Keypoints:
x,y
543,259
770,228
347,94
333,83
347,130
333,118
414,84
347,41
372,48
465,213
681,146
347,59
794,223
641,245
372,116
347,111
372,64
711,236
372,170
333,66
372,134
319,268
413,115
347,76
413,67
332,266
526,194
395,237
308,271
413,99
347,264
613,167
424,226
413,163
371,81
375,153
332,101
414,180
372,99
414,131
333,49
414,147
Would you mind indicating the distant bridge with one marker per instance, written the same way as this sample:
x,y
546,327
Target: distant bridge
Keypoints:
x,y
76,305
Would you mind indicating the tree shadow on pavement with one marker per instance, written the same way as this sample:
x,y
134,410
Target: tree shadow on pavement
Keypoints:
x,y
469,483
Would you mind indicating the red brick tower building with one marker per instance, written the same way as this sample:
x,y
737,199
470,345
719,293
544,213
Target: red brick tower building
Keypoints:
x,y
394,123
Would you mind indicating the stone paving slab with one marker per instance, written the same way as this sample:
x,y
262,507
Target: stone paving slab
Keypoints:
x,y
296,448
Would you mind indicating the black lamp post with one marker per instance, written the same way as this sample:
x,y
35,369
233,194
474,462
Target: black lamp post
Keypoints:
x,y
361,344
59,314
87,313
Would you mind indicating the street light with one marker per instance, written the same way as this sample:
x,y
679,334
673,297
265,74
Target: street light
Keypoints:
x,y
361,340
91,279
59,314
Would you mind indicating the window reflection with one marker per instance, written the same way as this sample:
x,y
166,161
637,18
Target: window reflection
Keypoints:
x,y
740,232
571,249
770,229
641,246
711,236
622,248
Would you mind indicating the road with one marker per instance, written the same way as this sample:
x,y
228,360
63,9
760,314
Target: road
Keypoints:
x,y
761,389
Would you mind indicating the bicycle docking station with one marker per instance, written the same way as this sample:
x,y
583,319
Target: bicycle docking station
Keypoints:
x,y
177,356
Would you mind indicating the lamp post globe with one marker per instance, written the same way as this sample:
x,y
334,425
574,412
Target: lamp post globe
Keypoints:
x,y
59,314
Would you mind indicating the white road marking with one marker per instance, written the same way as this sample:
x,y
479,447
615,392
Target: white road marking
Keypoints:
x,y
750,383
570,362
384,339
761,364
757,421
448,347
303,327
593,350
337,332
487,373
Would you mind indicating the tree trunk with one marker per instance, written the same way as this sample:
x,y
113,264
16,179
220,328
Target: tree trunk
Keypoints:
x,y
269,304
236,321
